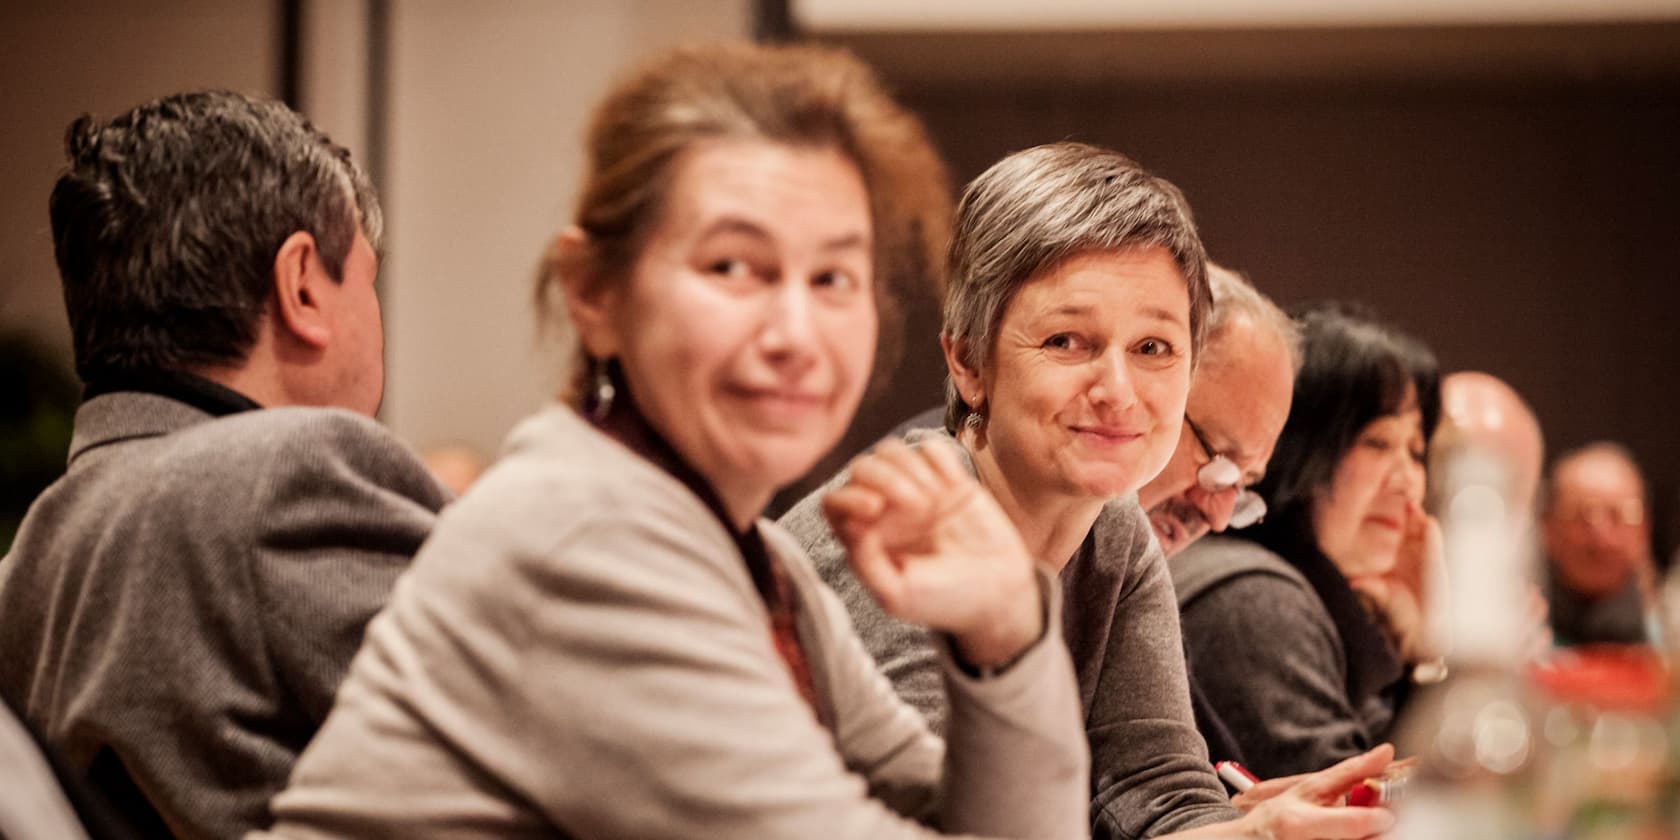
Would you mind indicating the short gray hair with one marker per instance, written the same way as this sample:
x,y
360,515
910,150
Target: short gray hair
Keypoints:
x,y
1038,207
1234,295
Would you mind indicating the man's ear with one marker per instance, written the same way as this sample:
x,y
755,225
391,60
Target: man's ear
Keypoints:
x,y
590,300
298,275
969,384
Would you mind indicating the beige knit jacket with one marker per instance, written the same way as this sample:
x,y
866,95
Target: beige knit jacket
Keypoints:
x,y
578,651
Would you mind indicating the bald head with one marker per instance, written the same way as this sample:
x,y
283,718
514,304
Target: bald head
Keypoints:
x,y
1481,412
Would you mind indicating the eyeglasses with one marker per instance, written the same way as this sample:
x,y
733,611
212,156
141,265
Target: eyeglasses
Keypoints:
x,y
1219,474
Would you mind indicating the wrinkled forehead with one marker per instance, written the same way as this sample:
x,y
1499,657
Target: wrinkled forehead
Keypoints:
x,y
795,192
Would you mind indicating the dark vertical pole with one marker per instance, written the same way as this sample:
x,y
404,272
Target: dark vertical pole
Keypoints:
x,y
773,21
378,88
291,52
378,124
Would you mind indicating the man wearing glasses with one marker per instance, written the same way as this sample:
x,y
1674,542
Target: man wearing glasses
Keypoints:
x,y
1239,399
1598,547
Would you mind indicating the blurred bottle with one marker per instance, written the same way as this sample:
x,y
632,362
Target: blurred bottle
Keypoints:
x,y
1609,766
1582,745
1476,734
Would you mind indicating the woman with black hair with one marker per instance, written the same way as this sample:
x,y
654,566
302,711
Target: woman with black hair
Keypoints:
x,y
1291,669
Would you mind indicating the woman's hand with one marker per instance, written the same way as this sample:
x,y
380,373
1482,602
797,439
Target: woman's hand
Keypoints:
x,y
1399,600
1308,807
1537,625
933,547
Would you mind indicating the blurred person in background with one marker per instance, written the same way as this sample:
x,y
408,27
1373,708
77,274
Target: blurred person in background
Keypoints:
x,y
1294,666
178,609
1480,415
1076,305
603,638
1599,567
1479,411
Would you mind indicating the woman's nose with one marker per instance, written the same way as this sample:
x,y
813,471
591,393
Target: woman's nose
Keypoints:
x,y
1406,475
789,329
1113,385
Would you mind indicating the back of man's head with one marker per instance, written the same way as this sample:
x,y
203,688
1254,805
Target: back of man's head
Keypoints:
x,y
168,218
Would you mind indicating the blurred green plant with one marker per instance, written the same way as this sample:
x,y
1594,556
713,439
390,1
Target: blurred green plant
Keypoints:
x,y
36,412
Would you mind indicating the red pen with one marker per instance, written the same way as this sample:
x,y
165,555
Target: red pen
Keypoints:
x,y
1236,775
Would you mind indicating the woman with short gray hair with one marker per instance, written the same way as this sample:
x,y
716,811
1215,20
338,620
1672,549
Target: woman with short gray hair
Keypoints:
x,y
1075,305
1039,206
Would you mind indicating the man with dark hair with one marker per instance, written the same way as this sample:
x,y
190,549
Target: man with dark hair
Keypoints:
x,y
177,610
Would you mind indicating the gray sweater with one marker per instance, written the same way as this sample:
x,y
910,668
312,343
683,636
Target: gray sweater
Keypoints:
x,y
1149,768
1297,685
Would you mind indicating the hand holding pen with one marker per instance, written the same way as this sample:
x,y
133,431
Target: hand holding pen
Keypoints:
x,y
1381,790
1309,806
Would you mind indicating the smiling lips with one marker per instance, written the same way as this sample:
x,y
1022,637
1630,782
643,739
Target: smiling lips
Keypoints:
x,y
1106,435
781,404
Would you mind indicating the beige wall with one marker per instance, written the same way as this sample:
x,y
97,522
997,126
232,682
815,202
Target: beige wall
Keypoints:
x,y
486,118
61,59
486,103
1014,15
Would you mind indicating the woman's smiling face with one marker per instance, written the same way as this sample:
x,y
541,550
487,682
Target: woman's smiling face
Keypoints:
x,y
1089,370
747,326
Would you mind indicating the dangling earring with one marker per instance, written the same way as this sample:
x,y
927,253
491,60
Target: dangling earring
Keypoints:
x,y
975,419
601,387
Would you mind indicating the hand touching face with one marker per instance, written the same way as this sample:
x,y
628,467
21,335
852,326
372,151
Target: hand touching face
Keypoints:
x,y
1400,599
1360,520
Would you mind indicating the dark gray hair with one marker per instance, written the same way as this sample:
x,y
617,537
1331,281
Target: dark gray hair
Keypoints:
x,y
1234,295
1038,207
167,219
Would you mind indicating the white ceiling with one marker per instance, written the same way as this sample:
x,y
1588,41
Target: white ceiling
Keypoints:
x,y
832,15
